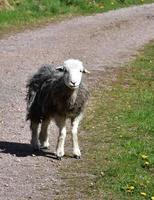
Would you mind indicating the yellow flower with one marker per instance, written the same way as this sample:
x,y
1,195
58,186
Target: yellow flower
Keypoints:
x,y
101,6
147,163
152,198
144,157
130,188
143,194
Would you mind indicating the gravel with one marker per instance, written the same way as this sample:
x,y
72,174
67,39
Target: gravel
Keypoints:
x,y
102,42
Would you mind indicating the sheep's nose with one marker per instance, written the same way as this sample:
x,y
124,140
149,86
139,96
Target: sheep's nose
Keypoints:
x,y
73,83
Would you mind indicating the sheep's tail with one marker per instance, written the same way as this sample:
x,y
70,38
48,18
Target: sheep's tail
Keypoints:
x,y
31,98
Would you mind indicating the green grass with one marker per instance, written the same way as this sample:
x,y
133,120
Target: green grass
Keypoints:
x,y
34,12
118,145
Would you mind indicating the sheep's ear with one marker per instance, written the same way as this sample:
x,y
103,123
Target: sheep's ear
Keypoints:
x,y
86,71
60,68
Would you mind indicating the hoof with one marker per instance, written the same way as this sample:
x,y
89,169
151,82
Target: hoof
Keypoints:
x,y
59,158
77,157
45,148
44,145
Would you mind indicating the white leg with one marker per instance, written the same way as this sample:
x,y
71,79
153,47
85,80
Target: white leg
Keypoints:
x,y
61,123
35,136
75,124
44,139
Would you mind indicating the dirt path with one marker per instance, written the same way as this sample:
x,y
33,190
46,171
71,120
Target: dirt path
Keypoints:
x,y
101,41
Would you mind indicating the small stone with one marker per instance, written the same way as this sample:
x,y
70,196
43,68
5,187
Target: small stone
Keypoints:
x,y
6,185
91,184
102,174
18,160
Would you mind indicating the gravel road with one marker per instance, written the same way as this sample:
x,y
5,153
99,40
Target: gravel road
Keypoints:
x,y
101,41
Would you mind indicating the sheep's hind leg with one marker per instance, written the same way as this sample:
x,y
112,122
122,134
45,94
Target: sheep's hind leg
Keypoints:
x,y
44,139
61,123
35,136
75,124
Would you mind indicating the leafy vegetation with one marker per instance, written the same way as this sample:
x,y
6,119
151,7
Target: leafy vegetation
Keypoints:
x,y
119,157
21,13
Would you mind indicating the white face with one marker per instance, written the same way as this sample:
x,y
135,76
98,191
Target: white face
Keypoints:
x,y
73,70
73,73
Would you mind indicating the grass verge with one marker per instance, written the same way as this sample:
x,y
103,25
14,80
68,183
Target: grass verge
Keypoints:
x,y
119,141
35,12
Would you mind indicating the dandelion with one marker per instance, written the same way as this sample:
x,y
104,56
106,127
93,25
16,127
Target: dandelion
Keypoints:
x,y
146,163
143,194
101,6
130,188
152,198
144,157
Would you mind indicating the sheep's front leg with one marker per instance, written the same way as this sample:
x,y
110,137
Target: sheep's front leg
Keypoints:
x,y
61,123
44,139
35,136
75,124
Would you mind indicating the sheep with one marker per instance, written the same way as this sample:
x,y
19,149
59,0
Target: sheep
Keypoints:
x,y
58,94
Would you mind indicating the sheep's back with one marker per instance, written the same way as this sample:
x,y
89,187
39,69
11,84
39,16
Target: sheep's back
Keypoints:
x,y
36,85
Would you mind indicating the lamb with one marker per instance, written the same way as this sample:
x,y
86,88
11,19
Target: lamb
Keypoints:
x,y
57,94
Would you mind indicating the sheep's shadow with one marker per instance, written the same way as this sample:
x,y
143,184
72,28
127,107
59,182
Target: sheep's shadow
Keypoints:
x,y
23,150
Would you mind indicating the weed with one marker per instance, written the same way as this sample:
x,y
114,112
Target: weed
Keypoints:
x,y
31,12
119,155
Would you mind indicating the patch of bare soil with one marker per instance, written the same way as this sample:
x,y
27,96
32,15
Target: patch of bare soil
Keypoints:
x,y
102,42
